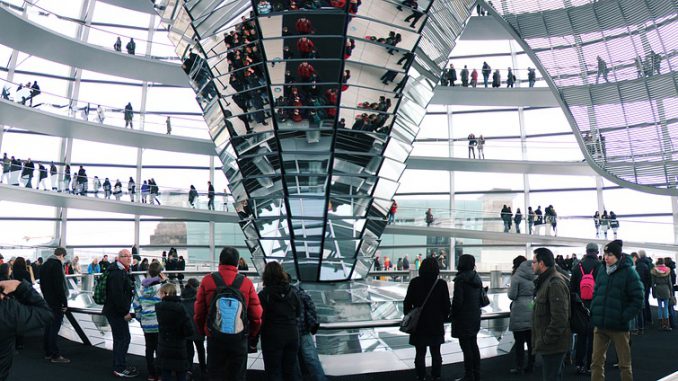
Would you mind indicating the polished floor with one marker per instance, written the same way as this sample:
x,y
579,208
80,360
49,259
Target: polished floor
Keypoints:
x,y
653,359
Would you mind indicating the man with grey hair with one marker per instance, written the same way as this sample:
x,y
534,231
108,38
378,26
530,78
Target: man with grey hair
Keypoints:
x,y
583,283
119,294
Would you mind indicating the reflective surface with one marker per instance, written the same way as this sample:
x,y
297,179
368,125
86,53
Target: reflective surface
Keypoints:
x,y
313,108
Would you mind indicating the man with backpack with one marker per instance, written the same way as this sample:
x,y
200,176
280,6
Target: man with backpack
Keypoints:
x,y
118,286
226,296
583,284
617,299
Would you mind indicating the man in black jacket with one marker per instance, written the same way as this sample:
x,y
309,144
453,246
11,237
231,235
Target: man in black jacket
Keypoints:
x,y
119,293
589,265
55,292
21,310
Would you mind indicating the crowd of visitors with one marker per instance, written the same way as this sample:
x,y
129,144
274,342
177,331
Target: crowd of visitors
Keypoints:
x,y
176,320
468,78
21,173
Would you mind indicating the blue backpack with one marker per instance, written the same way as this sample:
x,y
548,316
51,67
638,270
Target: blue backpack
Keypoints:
x,y
227,317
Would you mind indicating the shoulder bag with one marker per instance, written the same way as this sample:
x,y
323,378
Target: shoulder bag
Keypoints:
x,y
410,321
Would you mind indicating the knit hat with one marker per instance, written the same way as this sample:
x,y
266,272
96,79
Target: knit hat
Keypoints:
x,y
592,248
614,248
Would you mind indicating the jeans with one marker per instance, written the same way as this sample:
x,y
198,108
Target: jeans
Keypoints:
x,y
178,376
420,361
662,309
308,356
52,333
469,347
121,339
507,226
584,349
225,362
210,203
601,341
391,218
521,338
552,369
151,349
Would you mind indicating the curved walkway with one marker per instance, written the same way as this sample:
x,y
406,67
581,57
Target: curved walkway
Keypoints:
x,y
502,97
535,240
143,6
38,197
31,119
500,166
28,37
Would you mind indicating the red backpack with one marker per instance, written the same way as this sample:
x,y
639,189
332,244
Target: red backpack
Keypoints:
x,y
587,284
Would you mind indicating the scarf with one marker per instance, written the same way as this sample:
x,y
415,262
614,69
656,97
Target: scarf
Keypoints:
x,y
122,267
612,268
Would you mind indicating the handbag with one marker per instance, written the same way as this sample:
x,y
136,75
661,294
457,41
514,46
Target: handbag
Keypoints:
x,y
484,299
410,321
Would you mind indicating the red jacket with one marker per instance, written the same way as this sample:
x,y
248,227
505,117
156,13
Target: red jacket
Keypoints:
x,y
206,291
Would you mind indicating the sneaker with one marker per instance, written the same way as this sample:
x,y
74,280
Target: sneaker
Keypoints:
x,y
127,373
60,360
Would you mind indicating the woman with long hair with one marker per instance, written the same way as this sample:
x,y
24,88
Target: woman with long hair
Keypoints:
x,y
279,332
466,315
430,332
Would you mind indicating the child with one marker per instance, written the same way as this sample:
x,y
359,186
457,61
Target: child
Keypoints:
x,y
145,300
174,328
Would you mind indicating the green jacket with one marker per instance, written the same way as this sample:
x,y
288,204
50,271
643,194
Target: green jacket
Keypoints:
x,y
551,315
618,297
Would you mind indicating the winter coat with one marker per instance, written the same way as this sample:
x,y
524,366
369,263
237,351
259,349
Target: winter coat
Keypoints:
x,y
521,293
430,330
281,309
53,283
617,298
551,315
307,321
145,300
119,291
175,328
465,312
24,312
643,266
661,282
188,301
206,292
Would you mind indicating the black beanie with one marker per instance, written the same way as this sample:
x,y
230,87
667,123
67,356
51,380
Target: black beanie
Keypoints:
x,y
614,248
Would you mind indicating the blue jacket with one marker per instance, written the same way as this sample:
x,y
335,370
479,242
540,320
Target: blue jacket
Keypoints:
x,y
145,300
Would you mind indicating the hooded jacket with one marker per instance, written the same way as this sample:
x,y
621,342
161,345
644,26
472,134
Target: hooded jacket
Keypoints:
x,y
551,315
175,328
145,299
617,298
661,282
465,311
521,293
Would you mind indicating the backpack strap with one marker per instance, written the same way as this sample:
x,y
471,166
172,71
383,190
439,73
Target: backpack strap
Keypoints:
x,y
237,282
218,280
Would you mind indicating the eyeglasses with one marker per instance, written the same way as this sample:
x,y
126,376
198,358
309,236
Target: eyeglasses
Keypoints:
x,y
125,256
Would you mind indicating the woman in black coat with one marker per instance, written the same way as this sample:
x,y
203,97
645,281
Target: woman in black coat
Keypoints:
x,y
430,331
174,328
466,315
